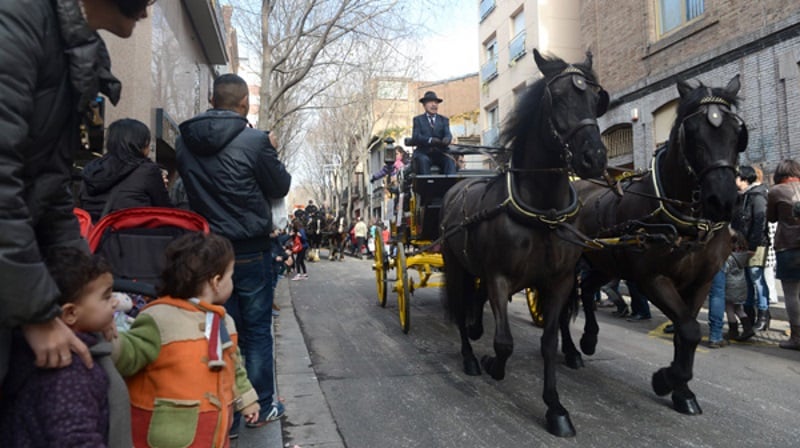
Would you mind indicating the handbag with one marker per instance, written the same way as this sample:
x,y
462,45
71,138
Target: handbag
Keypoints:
x,y
759,258
297,244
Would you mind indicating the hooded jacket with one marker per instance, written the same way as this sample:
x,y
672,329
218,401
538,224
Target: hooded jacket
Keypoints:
x,y
131,182
751,218
230,172
51,63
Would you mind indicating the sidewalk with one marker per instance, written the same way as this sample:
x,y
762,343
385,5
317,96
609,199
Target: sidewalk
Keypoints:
x,y
309,422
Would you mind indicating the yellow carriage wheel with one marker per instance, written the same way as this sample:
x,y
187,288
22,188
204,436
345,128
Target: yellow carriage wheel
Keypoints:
x,y
381,267
532,296
403,290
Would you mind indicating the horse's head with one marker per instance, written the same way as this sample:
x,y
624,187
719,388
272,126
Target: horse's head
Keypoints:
x,y
562,108
708,137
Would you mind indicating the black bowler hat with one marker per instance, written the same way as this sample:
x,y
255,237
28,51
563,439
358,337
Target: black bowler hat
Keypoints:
x,y
430,96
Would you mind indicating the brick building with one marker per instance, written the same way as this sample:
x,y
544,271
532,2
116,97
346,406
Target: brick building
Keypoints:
x,y
643,48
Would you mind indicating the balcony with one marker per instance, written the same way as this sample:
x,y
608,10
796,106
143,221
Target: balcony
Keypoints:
x,y
489,70
491,136
486,8
516,48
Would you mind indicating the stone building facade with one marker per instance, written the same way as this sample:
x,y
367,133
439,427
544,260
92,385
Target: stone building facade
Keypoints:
x,y
167,68
643,48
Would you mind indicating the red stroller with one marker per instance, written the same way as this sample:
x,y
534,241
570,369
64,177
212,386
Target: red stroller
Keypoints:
x,y
133,242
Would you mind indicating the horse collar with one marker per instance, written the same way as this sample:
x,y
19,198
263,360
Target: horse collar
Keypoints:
x,y
700,226
531,215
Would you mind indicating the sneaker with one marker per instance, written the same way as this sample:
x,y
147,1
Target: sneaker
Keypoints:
x,y
233,433
304,275
275,412
297,277
275,313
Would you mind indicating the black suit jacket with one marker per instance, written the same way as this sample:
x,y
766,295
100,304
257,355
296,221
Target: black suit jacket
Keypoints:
x,y
423,132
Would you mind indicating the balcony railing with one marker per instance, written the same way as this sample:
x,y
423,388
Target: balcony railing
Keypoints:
x,y
487,6
516,48
489,70
491,136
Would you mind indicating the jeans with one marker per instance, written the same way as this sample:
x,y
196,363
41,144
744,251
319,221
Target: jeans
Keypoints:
x,y
757,290
716,307
250,306
639,303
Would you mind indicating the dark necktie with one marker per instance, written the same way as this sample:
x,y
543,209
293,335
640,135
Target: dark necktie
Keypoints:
x,y
430,120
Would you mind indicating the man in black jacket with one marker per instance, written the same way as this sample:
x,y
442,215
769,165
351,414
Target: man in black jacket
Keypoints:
x,y
431,136
52,62
231,172
751,221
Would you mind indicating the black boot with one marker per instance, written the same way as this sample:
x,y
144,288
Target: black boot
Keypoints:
x,y
751,312
733,331
747,329
762,323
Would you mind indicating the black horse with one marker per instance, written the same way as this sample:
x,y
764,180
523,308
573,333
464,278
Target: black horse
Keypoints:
x,y
314,229
673,224
499,234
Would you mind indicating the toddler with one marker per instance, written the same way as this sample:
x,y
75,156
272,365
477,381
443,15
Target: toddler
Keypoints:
x,y
736,290
180,358
73,405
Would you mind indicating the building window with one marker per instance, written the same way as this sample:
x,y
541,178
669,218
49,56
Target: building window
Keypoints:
x,y
663,119
673,14
619,140
516,48
489,69
486,7
491,136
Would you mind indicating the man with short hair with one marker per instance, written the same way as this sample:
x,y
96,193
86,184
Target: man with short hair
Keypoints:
x,y
52,64
231,172
431,136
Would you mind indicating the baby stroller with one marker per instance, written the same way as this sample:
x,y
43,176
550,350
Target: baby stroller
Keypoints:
x,y
133,241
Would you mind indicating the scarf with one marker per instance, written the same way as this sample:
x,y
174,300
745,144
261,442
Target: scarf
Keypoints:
x,y
216,333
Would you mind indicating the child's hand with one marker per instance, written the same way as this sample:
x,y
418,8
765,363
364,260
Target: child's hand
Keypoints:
x,y
251,413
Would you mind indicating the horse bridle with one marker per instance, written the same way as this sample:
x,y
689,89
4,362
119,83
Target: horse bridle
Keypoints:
x,y
714,108
580,82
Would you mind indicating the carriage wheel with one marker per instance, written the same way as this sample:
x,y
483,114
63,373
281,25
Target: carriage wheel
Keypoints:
x,y
381,268
403,291
532,297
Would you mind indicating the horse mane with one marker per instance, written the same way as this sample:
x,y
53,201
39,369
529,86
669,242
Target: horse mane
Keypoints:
x,y
528,112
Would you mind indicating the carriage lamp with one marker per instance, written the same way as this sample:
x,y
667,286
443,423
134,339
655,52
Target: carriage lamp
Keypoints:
x,y
389,151
635,114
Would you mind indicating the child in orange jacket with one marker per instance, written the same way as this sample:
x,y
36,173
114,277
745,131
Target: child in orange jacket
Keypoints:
x,y
180,358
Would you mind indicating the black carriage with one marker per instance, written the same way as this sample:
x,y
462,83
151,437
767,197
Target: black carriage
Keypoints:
x,y
414,229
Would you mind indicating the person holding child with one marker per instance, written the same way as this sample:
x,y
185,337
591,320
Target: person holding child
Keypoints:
x,y
181,360
75,405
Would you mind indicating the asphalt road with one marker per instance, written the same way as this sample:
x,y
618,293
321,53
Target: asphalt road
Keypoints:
x,y
388,389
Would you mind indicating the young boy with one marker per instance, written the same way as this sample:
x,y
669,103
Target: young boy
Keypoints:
x,y
75,405
180,358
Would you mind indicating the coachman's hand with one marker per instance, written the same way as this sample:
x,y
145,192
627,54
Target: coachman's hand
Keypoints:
x,y
435,141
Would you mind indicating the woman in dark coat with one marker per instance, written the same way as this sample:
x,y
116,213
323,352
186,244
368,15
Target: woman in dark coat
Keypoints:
x,y
124,177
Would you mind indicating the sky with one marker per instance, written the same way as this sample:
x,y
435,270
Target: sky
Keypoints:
x,y
451,50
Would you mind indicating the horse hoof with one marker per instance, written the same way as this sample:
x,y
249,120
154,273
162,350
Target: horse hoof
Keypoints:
x,y
588,344
560,425
661,385
488,365
574,362
471,367
688,406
